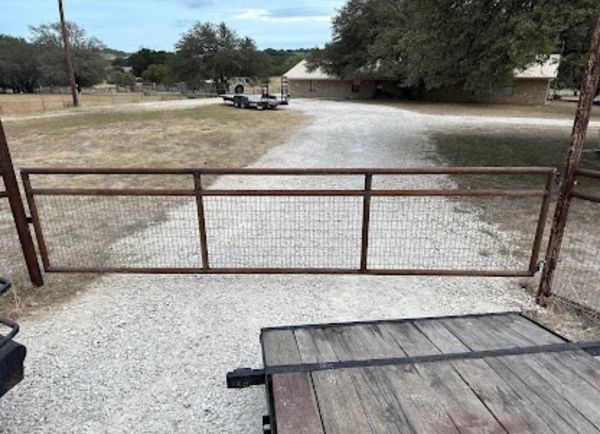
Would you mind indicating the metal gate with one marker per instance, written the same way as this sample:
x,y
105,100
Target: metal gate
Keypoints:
x,y
577,277
412,221
13,196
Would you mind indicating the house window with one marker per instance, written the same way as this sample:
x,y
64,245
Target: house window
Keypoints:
x,y
311,87
355,86
508,91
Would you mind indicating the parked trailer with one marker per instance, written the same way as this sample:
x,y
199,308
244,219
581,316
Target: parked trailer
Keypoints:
x,y
494,372
252,101
12,354
266,100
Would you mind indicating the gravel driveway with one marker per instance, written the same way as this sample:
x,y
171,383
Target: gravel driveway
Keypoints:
x,y
149,354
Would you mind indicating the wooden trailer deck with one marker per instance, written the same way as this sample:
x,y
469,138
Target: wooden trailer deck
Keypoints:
x,y
492,373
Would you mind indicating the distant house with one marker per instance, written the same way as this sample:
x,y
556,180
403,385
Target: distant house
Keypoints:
x,y
529,86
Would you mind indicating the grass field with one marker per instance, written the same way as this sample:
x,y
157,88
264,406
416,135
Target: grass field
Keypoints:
x,y
527,146
554,109
213,135
23,104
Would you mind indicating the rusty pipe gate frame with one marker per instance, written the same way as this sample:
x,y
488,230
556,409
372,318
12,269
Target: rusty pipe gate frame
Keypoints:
x,y
13,194
366,193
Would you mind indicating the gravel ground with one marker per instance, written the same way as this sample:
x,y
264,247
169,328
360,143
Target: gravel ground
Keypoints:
x,y
149,354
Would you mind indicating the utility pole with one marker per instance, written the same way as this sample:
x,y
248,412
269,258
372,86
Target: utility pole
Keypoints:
x,y
68,60
589,87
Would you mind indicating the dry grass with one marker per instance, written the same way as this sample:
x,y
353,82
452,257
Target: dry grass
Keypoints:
x,y
554,109
17,104
205,136
527,146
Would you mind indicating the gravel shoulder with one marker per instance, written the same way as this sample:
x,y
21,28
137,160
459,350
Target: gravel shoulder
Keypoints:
x,y
148,354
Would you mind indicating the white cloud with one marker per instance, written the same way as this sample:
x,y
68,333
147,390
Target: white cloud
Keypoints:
x,y
265,15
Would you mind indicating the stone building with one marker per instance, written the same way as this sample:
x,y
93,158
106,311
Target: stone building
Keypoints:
x,y
529,87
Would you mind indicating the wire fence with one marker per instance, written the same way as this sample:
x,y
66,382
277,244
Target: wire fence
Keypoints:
x,y
288,221
577,277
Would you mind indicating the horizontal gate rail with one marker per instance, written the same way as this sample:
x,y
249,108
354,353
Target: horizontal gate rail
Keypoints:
x,y
284,192
367,193
489,170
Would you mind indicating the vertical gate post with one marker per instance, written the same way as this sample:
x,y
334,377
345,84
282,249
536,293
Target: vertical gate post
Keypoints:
x,y
364,249
201,220
589,88
16,206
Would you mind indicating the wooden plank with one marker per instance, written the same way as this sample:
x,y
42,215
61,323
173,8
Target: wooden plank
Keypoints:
x,y
546,390
280,348
508,407
552,415
296,408
530,329
294,401
468,413
521,331
408,405
511,409
558,369
500,332
339,402
441,337
362,343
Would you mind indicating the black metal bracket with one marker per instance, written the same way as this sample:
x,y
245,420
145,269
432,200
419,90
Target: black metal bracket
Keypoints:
x,y
14,330
245,377
4,285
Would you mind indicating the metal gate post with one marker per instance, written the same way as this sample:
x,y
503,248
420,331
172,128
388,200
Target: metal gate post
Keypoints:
x,y
16,205
201,220
589,88
364,249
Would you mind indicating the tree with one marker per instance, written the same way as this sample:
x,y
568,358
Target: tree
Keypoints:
x,y
281,61
88,62
159,74
214,52
473,44
122,78
19,67
574,46
143,58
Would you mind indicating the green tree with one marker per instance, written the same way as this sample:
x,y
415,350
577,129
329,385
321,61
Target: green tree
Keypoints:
x,y
19,66
574,46
143,58
473,44
122,78
88,61
159,74
214,52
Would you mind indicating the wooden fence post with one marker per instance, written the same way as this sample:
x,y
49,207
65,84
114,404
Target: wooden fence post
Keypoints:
x,y
16,205
589,88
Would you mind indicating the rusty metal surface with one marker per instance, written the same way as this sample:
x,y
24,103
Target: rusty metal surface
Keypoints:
x,y
208,264
13,194
589,89
472,170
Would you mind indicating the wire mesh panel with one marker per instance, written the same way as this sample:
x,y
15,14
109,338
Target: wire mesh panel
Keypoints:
x,y
284,232
11,255
578,270
100,231
425,233
287,220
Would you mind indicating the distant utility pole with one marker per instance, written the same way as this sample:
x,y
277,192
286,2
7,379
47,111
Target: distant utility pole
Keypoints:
x,y
68,60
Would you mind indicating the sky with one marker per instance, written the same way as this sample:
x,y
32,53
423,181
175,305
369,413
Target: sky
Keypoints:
x,y
157,24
